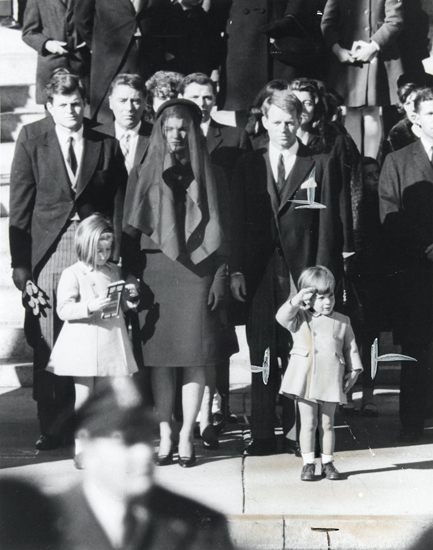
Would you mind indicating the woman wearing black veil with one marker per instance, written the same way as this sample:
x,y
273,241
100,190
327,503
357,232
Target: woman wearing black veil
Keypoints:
x,y
175,243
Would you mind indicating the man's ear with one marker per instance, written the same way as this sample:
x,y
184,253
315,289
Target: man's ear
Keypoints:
x,y
265,121
49,107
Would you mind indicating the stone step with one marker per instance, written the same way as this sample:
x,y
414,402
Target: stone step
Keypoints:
x,y
12,122
16,374
13,345
18,60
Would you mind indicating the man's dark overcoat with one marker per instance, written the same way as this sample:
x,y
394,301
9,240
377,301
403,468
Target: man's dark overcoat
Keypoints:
x,y
406,210
225,145
307,237
41,199
54,20
108,28
174,522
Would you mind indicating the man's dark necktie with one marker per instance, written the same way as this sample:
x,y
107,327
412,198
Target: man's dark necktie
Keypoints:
x,y
72,159
281,180
135,525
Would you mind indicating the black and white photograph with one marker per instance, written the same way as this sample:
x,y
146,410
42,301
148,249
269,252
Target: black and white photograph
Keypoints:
x,y
191,192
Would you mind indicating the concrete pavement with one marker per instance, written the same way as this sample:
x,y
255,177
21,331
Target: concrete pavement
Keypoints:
x,y
384,500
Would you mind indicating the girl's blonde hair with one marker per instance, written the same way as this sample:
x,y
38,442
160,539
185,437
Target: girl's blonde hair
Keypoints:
x,y
318,277
87,237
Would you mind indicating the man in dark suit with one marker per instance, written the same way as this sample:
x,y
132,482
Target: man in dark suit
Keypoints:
x,y
118,504
406,211
58,178
49,29
124,36
273,241
127,100
225,144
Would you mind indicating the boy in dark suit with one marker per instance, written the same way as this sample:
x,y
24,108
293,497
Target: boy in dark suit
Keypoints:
x,y
273,241
58,178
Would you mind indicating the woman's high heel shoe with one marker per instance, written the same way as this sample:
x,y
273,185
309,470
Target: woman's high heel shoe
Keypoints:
x,y
187,462
164,460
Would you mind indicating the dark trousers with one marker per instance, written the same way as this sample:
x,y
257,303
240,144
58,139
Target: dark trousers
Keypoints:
x,y
264,332
55,395
415,381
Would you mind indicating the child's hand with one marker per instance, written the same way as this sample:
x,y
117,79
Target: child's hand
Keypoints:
x,y
303,297
98,304
349,380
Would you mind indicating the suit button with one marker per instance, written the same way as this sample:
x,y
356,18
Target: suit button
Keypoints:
x,y
314,333
316,351
336,354
246,11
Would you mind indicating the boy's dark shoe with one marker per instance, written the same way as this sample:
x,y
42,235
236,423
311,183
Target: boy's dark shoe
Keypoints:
x,y
308,472
330,471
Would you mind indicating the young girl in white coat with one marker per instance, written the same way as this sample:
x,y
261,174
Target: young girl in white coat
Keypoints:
x,y
324,364
90,346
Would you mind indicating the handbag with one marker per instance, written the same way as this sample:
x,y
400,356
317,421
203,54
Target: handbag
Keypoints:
x,y
299,50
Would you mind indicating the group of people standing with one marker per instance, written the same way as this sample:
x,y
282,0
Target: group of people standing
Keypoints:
x,y
156,192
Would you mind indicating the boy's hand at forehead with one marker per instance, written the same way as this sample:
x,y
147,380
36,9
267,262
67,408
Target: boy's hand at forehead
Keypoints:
x,y
303,297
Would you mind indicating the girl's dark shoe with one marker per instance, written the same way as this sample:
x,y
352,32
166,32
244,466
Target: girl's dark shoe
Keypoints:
x,y
187,462
330,471
308,471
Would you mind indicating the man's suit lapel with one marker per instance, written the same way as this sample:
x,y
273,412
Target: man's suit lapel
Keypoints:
x,y
129,5
142,144
214,137
270,184
89,162
300,173
56,163
422,160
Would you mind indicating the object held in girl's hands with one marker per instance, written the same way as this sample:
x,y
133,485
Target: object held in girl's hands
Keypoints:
x,y
34,299
375,358
114,292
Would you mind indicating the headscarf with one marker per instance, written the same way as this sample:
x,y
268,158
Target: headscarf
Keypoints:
x,y
150,205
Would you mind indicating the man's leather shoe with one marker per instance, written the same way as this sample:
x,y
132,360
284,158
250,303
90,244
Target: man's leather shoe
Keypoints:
x,y
260,447
291,447
210,439
308,471
48,443
409,436
330,471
